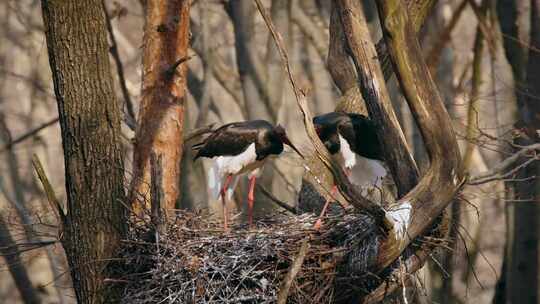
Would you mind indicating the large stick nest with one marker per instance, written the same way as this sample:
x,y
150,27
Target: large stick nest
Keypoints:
x,y
193,261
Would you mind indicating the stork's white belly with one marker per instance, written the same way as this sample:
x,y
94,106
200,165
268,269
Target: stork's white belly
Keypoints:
x,y
245,162
365,172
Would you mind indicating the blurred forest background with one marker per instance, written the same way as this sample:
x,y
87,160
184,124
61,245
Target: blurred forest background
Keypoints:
x,y
484,56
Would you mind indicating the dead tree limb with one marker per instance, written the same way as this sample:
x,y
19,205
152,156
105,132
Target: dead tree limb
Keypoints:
x,y
443,179
54,203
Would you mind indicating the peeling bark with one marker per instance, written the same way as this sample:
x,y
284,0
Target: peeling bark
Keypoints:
x,y
161,114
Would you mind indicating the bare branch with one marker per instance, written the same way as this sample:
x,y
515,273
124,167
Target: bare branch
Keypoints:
x,y
157,195
293,270
28,134
55,205
444,37
497,172
8,249
472,110
129,117
276,200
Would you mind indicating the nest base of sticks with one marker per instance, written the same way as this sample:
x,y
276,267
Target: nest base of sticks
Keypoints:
x,y
281,260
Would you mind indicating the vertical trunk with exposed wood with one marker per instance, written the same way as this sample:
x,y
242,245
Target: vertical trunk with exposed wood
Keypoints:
x,y
161,115
90,122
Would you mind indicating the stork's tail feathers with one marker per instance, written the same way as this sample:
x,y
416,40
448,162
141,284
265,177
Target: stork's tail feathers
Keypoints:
x,y
197,148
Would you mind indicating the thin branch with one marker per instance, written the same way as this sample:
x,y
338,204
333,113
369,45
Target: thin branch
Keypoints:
x,y
28,134
472,110
55,205
293,270
129,118
276,200
496,172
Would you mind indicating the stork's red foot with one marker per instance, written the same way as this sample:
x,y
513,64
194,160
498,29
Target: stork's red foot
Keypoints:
x,y
318,224
319,221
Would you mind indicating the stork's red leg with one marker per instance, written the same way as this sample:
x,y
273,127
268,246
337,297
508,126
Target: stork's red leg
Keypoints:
x,y
228,180
251,197
318,223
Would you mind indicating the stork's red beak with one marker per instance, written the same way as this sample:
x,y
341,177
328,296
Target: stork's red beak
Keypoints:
x,y
286,141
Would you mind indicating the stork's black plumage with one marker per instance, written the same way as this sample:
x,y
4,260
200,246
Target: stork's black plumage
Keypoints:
x,y
239,148
234,138
353,138
359,131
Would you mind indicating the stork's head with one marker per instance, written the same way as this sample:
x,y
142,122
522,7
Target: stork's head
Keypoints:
x,y
282,135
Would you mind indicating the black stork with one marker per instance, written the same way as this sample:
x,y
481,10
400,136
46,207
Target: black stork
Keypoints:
x,y
240,148
352,140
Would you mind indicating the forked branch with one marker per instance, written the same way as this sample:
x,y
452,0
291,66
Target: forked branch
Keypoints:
x,y
443,179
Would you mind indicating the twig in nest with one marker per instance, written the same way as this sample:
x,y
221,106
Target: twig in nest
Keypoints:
x,y
295,267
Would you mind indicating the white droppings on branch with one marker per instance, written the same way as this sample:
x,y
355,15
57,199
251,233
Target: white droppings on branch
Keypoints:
x,y
400,217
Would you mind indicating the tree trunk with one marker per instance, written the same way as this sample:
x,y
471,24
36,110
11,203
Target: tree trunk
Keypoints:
x,y
523,261
161,115
76,38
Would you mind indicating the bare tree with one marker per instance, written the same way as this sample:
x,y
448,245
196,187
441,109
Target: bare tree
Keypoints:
x,y
90,121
